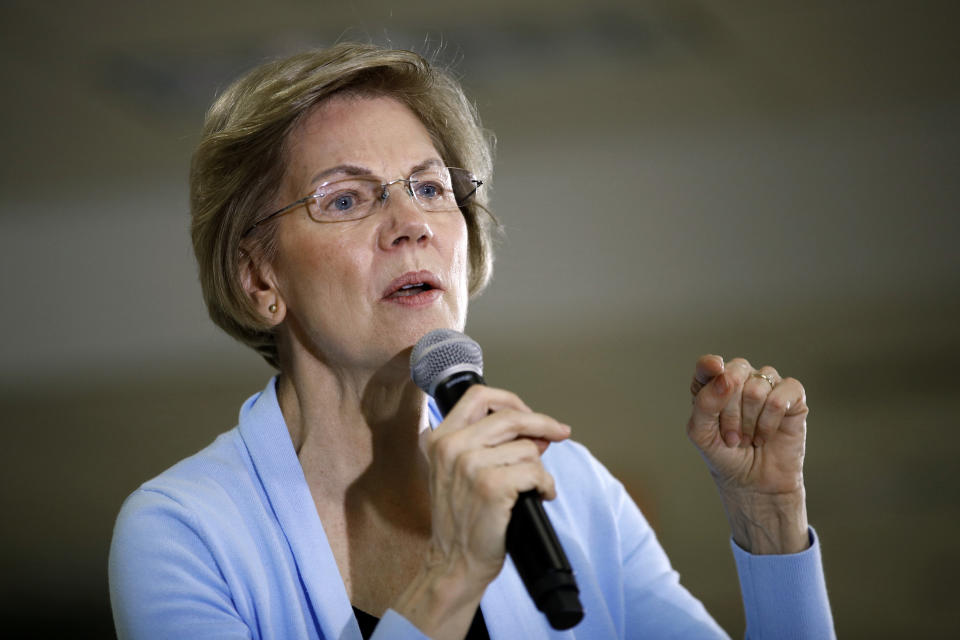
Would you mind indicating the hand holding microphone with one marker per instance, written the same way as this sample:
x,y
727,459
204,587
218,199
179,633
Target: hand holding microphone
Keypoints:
x,y
487,476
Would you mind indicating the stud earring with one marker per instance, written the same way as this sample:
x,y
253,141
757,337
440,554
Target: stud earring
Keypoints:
x,y
272,308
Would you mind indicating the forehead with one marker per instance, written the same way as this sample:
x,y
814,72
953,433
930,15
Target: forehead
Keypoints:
x,y
377,132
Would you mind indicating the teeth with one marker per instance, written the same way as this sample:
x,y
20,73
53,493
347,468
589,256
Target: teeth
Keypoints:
x,y
411,286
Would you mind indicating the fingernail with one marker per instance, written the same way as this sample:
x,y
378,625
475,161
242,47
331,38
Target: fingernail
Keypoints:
x,y
566,428
731,438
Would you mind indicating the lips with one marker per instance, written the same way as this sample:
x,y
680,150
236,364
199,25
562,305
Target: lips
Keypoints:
x,y
412,284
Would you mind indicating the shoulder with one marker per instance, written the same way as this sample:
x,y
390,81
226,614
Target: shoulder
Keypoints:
x,y
219,468
169,566
177,534
195,496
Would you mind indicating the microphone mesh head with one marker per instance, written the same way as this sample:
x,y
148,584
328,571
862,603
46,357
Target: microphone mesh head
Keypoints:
x,y
441,352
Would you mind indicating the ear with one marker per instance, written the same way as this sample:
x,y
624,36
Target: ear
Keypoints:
x,y
259,283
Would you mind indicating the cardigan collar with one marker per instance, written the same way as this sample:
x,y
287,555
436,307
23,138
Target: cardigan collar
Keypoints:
x,y
265,434
264,431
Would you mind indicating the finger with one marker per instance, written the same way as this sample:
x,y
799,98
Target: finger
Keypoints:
x,y
509,424
707,368
787,399
707,405
507,483
731,416
478,401
495,429
755,391
471,463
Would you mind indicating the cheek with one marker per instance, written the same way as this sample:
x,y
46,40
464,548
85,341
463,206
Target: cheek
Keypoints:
x,y
319,269
461,258
465,247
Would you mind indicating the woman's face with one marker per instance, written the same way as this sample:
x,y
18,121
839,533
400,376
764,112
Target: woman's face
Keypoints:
x,y
339,283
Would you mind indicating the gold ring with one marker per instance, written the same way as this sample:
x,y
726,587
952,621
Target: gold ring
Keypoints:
x,y
769,379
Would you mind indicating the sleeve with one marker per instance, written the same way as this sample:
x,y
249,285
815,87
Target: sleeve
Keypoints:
x,y
164,582
393,626
785,596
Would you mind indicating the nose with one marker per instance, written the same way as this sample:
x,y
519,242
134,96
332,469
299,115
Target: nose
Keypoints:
x,y
404,221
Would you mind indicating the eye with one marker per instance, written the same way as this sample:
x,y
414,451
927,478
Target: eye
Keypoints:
x,y
429,190
339,204
343,202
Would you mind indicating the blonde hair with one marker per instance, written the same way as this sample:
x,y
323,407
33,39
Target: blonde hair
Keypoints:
x,y
240,161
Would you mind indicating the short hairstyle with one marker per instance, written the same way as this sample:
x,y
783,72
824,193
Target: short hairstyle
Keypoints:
x,y
238,166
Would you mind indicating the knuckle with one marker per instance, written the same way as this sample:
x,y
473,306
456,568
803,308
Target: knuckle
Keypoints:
x,y
765,425
442,448
474,393
529,449
466,463
793,382
548,482
512,416
778,403
514,397
520,422
485,391
757,393
538,420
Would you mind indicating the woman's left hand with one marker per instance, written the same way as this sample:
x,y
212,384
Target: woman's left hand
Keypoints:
x,y
750,426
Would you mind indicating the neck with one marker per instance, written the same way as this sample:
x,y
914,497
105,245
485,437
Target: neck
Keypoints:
x,y
354,429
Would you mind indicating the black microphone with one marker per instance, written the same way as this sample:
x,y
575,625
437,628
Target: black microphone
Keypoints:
x,y
445,363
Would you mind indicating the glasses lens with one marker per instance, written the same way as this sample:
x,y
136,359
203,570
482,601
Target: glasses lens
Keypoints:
x,y
435,189
343,200
443,189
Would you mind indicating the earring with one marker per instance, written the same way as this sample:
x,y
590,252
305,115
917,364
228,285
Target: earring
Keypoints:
x,y
272,308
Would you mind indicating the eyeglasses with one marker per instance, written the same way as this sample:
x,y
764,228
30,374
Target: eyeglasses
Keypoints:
x,y
435,189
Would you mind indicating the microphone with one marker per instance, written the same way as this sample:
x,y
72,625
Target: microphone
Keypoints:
x,y
445,363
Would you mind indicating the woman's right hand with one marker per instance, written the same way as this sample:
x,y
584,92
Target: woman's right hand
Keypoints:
x,y
484,454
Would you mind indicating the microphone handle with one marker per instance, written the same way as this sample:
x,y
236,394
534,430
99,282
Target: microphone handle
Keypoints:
x,y
531,540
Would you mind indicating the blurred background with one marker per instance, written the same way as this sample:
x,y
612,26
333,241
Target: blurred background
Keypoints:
x,y
771,179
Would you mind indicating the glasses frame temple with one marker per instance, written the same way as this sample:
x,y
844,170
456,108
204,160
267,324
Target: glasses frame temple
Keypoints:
x,y
290,206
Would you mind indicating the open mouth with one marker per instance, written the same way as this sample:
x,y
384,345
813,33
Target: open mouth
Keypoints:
x,y
412,289
413,283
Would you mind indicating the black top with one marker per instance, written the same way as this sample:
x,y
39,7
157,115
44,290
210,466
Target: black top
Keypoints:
x,y
477,631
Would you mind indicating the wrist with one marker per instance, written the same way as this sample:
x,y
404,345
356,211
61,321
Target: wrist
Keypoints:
x,y
442,599
768,524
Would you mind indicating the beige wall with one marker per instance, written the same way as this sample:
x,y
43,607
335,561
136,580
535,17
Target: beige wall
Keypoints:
x,y
772,181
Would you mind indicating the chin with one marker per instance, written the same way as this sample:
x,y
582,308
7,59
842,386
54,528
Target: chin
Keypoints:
x,y
411,334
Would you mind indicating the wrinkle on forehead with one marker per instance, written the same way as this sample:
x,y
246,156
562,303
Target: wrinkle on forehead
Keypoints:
x,y
301,171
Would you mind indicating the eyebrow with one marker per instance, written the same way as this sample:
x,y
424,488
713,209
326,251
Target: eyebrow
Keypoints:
x,y
356,170
345,169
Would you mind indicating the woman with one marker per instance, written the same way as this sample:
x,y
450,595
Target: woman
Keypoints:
x,y
331,234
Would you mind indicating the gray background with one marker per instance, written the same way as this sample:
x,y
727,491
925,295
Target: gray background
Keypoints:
x,y
777,180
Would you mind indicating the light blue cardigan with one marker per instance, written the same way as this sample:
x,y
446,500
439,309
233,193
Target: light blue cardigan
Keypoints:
x,y
228,544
